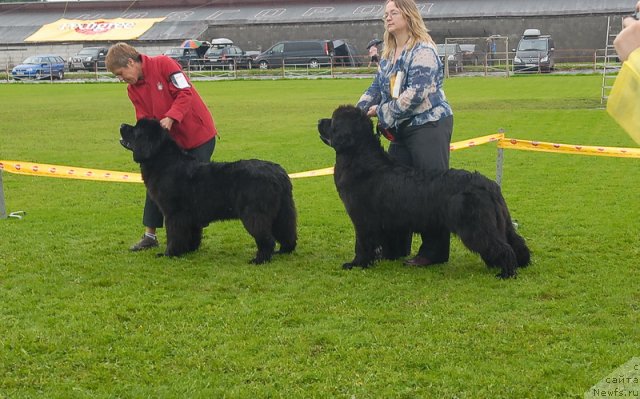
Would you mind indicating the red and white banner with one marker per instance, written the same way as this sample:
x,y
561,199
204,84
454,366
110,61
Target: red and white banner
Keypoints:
x,y
70,30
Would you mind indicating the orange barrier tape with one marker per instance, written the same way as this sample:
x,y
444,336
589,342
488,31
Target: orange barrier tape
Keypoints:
x,y
68,172
529,145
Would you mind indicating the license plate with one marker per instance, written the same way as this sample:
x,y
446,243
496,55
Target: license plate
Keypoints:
x,y
78,64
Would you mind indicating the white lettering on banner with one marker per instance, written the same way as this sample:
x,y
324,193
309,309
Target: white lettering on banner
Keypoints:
x,y
220,13
377,9
179,15
318,10
96,27
271,13
135,15
368,10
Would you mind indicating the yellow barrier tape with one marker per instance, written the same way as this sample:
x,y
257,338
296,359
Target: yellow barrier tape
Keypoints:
x,y
68,172
311,173
460,145
529,145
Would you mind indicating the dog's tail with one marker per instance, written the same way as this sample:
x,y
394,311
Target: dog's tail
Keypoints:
x,y
523,255
285,223
517,243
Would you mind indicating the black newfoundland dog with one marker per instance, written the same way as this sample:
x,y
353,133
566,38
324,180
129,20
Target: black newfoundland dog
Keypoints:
x,y
191,194
385,199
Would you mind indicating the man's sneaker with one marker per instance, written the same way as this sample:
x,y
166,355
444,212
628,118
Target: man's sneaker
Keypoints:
x,y
145,243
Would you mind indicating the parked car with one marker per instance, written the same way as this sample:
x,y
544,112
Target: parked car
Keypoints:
x,y
472,54
187,57
451,54
345,54
229,56
535,52
45,66
89,58
302,52
221,42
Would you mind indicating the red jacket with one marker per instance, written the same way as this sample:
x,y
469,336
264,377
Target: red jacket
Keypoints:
x,y
158,95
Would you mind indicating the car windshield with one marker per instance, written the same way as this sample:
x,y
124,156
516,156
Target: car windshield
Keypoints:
x,y
447,49
34,60
532,45
87,52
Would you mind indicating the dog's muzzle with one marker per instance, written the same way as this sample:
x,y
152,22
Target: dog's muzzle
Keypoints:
x,y
323,126
325,140
126,144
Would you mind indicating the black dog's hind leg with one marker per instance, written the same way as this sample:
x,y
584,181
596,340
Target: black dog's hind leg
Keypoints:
x,y
196,238
284,226
493,251
396,244
260,229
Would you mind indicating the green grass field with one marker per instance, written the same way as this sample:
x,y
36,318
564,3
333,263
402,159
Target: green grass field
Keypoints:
x,y
82,317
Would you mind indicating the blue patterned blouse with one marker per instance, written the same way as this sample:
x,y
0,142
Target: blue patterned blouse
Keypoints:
x,y
421,98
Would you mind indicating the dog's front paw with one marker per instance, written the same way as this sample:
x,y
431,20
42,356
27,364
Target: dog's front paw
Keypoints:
x,y
351,265
505,275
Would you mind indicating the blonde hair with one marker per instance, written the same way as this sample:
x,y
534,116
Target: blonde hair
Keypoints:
x,y
418,31
119,54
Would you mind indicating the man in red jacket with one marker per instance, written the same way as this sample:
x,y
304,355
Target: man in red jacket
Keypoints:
x,y
158,88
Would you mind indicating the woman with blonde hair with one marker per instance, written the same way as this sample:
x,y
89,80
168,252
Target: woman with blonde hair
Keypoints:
x,y
413,113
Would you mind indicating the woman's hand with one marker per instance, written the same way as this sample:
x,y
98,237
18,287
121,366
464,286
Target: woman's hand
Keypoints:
x,y
166,123
372,111
629,38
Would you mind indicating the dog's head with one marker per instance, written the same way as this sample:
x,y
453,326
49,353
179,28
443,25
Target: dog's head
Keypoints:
x,y
144,139
347,127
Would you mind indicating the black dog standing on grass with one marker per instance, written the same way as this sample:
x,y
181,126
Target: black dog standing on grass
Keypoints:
x,y
385,199
191,194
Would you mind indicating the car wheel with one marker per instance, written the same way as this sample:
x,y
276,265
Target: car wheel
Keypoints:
x,y
60,75
249,64
263,65
314,64
231,65
38,75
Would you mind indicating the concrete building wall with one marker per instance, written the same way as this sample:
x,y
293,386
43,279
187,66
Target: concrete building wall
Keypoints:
x,y
575,35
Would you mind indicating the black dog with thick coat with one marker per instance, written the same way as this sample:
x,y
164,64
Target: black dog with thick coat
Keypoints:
x,y
191,194
386,200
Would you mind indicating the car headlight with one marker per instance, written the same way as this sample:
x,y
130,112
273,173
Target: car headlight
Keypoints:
x,y
88,58
544,59
517,60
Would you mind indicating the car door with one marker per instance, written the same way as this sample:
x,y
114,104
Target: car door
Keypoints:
x,y
276,55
